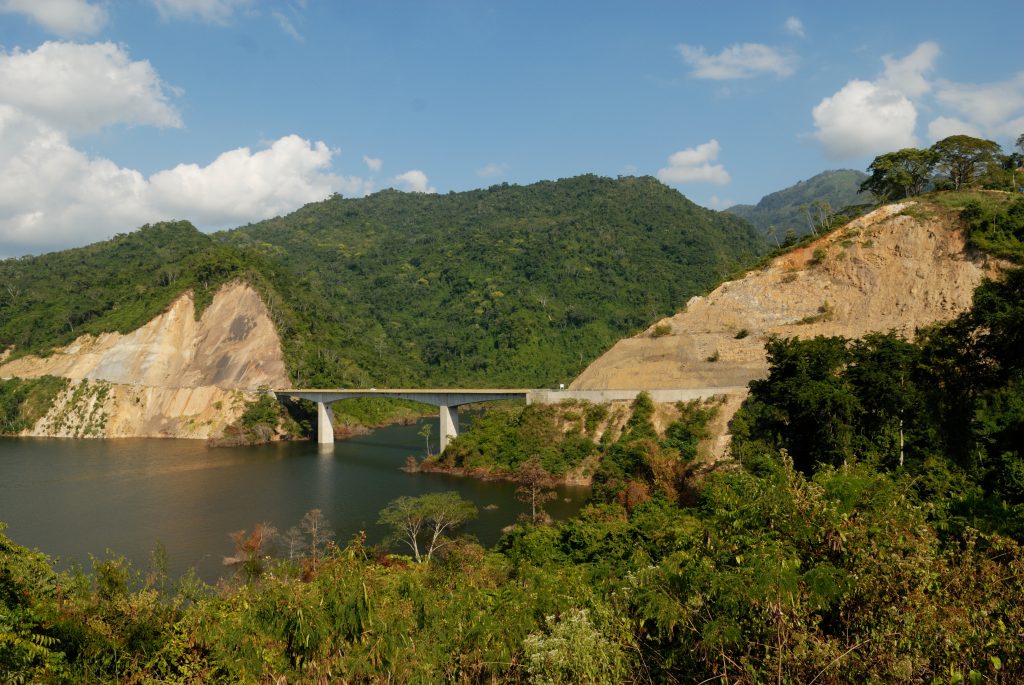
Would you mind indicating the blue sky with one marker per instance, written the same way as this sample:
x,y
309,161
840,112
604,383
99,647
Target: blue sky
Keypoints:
x,y
114,114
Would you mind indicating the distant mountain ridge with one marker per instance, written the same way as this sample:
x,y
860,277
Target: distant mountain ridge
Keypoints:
x,y
783,209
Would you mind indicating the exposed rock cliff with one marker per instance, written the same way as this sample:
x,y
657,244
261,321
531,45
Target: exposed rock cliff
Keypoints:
x,y
174,377
898,268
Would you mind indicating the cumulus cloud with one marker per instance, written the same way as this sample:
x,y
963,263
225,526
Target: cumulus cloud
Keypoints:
x,y
492,170
694,165
54,196
864,119
84,88
414,181
907,75
869,117
994,109
241,184
943,127
374,164
737,61
62,17
795,27
212,11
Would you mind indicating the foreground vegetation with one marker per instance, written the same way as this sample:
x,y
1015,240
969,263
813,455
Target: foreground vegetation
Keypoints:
x,y
774,576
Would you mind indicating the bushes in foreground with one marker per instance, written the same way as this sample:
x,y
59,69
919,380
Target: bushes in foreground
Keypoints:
x,y
774,576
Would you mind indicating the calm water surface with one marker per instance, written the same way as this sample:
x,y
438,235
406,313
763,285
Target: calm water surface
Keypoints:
x,y
76,498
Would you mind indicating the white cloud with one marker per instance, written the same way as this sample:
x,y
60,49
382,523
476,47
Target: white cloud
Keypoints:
x,y
693,165
414,181
795,27
737,61
907,75
492,170
715,202
943,127
996,109
212,11
287,26
864,119
54,196
374,164
870,117
241,185
83,88
62,17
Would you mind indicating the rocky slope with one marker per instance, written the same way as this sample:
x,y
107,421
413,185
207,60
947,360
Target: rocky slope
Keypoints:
x,y
898,268
174,377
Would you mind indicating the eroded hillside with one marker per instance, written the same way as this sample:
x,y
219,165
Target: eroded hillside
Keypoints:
x,y
898,268
174,377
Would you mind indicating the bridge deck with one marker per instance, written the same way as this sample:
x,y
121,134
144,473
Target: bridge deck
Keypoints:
x,y
409,391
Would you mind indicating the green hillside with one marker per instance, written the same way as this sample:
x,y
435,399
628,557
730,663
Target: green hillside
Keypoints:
x,y
115,285
785,209
512,285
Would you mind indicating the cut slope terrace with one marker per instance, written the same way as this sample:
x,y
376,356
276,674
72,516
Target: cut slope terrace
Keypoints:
x,y
899,268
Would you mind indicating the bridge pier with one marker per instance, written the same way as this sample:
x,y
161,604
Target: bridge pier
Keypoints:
x,y
324,424
449,425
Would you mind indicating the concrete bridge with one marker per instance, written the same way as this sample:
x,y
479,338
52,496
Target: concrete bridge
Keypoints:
x,y
448,400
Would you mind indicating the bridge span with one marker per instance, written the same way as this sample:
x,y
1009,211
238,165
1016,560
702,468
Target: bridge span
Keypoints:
x,y
448,400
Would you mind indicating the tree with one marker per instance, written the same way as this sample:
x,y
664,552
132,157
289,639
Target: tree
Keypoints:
x,y
319,532
252,550
824,213
294,543
426,521
963,159
807,401
896,175
425,434
535,488
1015,161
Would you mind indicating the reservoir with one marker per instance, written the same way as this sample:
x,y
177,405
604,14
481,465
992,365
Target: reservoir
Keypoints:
x,y
76,498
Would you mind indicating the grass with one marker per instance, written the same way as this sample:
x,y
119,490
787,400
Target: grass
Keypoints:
x,y
958,199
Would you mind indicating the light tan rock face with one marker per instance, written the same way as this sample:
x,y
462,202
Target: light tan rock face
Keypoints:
x,y
898,268
888,270
174,377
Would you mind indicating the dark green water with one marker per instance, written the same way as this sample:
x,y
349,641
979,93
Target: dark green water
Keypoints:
x,y
76,498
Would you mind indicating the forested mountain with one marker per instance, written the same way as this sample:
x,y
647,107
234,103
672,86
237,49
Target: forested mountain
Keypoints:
x,y
514,285
785,209
509,285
